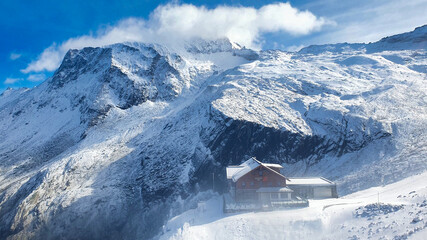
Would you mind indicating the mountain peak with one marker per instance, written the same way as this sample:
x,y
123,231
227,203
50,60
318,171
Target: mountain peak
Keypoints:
x,y
416,39
222,45
78,62
211,46
418,35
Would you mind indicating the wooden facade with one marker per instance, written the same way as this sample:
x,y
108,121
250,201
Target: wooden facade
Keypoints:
x,y
261,177
246,186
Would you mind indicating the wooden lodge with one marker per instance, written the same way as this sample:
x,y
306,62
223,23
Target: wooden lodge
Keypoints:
x,y
256,185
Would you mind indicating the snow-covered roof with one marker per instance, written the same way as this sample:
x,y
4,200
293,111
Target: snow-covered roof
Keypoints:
x,y
247,166
272,165
236,172
231,170
309,181
273,189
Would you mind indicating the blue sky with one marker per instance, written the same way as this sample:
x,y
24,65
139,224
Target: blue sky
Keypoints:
x,y
35,34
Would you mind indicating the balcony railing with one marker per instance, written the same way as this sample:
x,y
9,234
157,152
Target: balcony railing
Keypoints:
x,y
230,205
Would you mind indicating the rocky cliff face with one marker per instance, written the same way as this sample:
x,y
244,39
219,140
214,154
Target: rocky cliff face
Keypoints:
x,y
123,137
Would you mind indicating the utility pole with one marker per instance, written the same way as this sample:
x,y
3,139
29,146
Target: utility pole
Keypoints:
x,y
378,199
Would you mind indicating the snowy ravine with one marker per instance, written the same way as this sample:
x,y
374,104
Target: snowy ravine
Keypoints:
x,y
124,137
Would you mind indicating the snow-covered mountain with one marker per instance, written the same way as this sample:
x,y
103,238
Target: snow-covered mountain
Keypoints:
x,y
123,137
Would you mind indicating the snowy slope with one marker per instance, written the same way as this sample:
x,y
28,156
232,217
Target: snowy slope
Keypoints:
x,y
343,110
123,137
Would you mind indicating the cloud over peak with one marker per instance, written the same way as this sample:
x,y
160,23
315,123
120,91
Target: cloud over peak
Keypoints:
x,y
240,24
172,24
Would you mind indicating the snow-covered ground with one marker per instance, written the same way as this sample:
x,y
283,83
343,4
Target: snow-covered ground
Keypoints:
x,y
400,214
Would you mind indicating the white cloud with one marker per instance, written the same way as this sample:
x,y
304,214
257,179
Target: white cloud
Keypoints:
x,y
12,80
171,24
36,77
48,60
14,56
240,24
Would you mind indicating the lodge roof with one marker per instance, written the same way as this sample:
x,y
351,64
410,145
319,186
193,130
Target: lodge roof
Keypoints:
x,y
318,181
272,165
236,172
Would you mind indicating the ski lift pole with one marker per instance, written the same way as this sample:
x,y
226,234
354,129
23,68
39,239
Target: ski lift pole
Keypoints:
x,y
378,198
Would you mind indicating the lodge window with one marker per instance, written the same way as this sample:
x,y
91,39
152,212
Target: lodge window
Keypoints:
x,y
284,195
270,184
260,172
252,184
278,184
274,195
243,184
